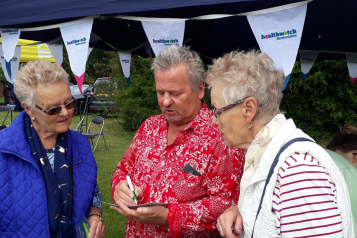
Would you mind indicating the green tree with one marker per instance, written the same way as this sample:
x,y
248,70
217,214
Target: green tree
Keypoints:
x,y
324,102
137,102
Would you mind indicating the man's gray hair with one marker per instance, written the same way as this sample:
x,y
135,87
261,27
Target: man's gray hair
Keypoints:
x,y
34,73
174,55
249,74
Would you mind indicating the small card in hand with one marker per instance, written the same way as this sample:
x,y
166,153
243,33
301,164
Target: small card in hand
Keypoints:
x,y
189,169
82,228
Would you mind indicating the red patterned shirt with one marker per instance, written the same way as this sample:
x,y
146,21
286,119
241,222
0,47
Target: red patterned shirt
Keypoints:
x,y
196,201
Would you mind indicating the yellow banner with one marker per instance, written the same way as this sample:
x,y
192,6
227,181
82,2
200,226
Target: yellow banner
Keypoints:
x,y
34,52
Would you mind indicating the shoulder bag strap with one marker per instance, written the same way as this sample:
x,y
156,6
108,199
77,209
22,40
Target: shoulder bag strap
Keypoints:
x,y
271,171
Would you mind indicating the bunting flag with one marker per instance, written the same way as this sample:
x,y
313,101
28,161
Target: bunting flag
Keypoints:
x,y
9,38
164,34
278,35
14,63
307,59
125,59
76,39
89,51
56,49
148,49
352,66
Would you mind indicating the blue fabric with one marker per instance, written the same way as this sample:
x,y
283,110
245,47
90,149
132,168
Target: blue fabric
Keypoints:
x,y
8,67
286,82
58,181
23,209
97,199
304,76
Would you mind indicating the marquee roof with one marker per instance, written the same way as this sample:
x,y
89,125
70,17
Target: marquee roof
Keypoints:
x,y
330,25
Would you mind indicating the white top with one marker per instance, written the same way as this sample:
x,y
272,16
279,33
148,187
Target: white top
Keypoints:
x,y
266,223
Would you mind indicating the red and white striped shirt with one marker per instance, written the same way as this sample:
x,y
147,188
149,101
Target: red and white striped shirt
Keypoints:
x,y
304,200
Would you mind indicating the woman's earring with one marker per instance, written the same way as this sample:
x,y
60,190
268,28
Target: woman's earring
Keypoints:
x,y
249,126
33,119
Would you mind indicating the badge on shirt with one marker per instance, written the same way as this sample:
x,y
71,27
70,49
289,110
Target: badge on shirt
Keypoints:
x,y
189,169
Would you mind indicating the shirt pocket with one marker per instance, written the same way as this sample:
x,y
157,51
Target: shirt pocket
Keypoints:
x,y
187,186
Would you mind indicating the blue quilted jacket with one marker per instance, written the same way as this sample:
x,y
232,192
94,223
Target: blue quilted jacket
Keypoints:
x,y
23,204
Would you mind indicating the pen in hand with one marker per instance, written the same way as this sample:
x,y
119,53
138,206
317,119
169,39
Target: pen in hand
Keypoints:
x,y
132,189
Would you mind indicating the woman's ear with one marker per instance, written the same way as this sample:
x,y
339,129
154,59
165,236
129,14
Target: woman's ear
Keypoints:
x,y
250,109
28,110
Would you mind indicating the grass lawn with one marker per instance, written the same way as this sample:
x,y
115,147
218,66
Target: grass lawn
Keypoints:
x,y
118,142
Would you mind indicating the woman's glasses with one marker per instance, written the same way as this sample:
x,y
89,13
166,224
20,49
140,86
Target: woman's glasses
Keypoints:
x,y
56,110
217,112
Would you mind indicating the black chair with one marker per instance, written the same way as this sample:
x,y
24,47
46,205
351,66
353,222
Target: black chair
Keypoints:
x,y
91,135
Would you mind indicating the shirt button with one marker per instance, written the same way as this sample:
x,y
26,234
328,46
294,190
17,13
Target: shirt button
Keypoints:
x,y
163,156
151,182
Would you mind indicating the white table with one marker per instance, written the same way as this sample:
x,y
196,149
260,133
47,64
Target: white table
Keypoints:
x,y
8,109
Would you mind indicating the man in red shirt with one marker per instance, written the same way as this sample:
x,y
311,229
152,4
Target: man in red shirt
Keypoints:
x,y
178,157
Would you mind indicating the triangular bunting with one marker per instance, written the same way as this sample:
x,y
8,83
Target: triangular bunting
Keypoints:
x,y
89,51
352,66
307,59
10,68
9,39
278,35
125,59
164,34
76,39
56,49
148,49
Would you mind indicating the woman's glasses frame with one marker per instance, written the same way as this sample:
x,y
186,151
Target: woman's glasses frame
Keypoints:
x,y
218,112
57,110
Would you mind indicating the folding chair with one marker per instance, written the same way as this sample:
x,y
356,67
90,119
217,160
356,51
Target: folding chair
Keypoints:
x,y
91,135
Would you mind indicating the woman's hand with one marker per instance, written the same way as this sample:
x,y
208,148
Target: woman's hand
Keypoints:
x,y
97,227
230,223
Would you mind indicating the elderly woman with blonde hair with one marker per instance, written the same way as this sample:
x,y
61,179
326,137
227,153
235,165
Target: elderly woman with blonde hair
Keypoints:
x,y
290,185
48,175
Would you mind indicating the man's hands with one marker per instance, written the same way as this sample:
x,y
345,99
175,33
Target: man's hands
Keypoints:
x,y
124,195
156,215
230,223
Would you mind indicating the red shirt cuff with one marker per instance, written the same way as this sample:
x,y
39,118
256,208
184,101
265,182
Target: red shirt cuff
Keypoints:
x,y
175,219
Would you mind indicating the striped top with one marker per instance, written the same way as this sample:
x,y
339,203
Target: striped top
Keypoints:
x,y
304,200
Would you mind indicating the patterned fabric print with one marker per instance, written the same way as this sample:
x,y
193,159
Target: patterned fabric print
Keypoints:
x,y
304,200
157,169
97,199
51,157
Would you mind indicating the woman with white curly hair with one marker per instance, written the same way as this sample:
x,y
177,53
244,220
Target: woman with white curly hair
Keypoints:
x,y
48,175
290,185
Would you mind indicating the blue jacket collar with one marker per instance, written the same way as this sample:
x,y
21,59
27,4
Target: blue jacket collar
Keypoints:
x,y
13,138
